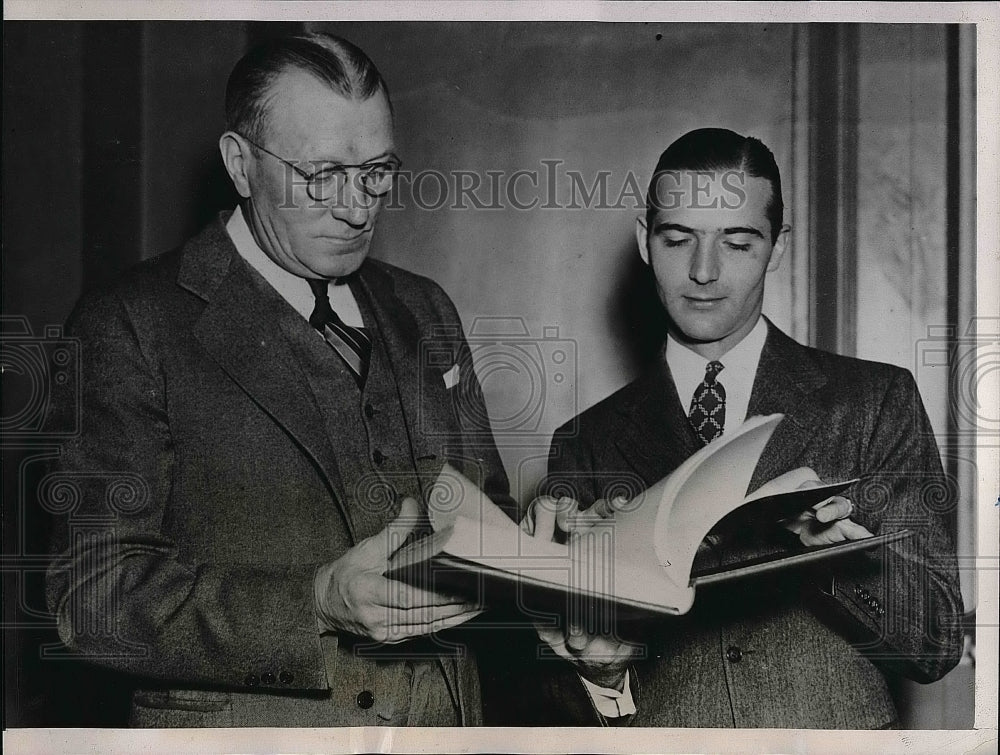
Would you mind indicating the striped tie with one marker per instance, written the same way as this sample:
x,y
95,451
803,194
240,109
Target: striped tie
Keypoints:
x,y
352,344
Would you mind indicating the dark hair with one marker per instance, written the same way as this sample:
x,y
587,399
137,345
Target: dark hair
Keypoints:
x,y
334,61
708,149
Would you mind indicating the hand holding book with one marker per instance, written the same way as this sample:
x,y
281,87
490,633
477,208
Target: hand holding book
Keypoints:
x,y
827,522
824,523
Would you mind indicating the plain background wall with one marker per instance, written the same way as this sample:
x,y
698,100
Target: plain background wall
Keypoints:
x,y
110,157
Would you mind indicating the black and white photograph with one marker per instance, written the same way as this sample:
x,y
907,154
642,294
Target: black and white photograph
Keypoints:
x,y
457,377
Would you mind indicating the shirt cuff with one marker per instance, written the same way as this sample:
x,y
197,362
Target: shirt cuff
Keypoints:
x,y
611,703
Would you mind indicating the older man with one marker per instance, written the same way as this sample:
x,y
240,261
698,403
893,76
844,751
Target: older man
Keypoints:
x,y
796,651
260,395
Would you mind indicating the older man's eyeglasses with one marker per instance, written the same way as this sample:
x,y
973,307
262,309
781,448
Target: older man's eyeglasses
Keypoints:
x,y
375,177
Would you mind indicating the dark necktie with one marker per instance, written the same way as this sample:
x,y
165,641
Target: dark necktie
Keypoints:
x,y
708,405
352,344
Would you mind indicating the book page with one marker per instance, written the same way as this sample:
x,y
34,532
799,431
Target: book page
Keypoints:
x,y
704,489
601,563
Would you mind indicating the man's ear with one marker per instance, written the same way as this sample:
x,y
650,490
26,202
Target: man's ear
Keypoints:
x,y
780,247
235,152
642,237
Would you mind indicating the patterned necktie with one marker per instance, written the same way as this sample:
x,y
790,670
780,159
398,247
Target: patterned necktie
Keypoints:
x,y
708,405
352,344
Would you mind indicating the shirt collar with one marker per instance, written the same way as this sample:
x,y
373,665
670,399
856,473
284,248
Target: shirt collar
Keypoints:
x,y
740,362
292,288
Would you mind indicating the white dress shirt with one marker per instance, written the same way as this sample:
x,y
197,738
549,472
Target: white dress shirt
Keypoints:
x,y
740,363
293,289
610,702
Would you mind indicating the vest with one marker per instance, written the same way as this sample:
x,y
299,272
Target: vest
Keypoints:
x,y
390,685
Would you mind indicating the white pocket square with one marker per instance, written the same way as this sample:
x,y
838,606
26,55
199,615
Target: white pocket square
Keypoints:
x,y
451,377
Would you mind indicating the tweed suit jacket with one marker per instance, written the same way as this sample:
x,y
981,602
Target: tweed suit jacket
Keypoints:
x,y
195,574
800,650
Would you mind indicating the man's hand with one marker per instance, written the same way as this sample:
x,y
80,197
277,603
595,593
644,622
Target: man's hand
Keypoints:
x,y
826,522
352,595
562,519
601,659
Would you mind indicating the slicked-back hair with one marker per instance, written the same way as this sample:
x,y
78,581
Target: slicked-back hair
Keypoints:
x,y
719,149
334,61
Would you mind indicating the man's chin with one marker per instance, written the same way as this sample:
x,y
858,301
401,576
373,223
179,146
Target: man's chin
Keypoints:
x,y
340,265
696,339
697,330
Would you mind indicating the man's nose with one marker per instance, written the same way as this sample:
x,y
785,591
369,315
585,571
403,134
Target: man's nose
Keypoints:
x,y
704,261
353,204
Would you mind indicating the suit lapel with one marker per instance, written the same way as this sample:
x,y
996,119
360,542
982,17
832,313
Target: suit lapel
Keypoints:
x,y
786,378
654,434
239,329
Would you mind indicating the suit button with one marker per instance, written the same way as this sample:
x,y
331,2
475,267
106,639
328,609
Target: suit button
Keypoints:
x,y
286,677
267,678
734,654
251,680
377,456
365,700
369,410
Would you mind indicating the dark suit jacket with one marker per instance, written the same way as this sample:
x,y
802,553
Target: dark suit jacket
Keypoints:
x,y
804,651
205,491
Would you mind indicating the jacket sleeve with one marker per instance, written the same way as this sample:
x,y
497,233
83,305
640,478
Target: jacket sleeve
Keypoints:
x,y
902,605
121,594
573,472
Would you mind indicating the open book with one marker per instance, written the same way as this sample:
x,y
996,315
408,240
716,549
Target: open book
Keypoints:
x,y
643,558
